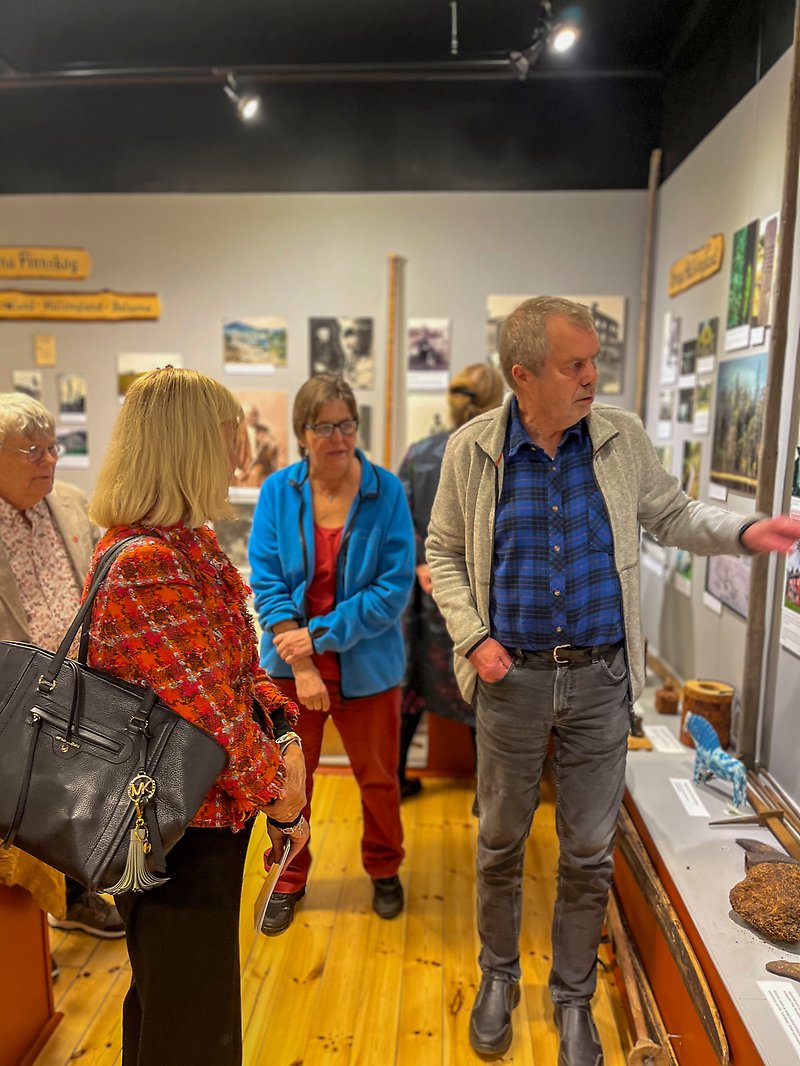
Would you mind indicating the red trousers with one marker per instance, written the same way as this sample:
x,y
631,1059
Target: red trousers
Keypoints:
x,y
370,732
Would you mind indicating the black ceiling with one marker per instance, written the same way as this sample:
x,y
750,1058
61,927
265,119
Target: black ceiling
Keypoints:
x,y
358,94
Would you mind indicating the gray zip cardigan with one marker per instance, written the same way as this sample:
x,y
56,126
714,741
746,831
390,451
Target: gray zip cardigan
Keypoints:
x,y
638,493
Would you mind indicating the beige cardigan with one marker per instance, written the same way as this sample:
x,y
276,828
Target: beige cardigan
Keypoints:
x,y
638,493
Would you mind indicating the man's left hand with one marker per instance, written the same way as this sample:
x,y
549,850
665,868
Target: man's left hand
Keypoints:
x,y
294,644
779,534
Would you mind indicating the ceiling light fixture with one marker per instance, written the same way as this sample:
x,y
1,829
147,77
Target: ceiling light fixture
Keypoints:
x,y
247,104
559,36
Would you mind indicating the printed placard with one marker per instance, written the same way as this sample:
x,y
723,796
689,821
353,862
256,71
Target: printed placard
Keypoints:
x,y
687,794
664,740
785,1002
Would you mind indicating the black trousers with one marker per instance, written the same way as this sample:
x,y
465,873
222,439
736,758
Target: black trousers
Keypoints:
x,y
184,1004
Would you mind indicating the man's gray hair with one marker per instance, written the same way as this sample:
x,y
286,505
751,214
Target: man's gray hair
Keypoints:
x,y
523,337
25,416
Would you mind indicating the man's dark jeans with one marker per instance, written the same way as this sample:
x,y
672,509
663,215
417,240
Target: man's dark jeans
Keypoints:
x,y
587,707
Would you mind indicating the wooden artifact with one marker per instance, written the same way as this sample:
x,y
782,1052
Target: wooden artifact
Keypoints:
x,y
710,760
780,828
769,900
635,855
712,700
667,698
647,1051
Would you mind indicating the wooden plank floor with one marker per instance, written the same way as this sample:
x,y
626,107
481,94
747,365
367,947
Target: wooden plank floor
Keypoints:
x,y
343,987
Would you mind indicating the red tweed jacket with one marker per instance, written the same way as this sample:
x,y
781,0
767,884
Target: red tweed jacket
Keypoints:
x,y
172,614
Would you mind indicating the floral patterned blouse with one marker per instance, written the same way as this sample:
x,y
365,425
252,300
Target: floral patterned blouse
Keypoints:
x,y
172,614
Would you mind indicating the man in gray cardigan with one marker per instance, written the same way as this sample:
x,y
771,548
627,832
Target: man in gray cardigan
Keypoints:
x,y
533,548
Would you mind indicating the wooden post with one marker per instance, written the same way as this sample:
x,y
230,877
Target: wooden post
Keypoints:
x,y
646,290
765,496
392,331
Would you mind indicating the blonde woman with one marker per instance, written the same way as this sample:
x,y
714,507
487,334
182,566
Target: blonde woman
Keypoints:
x,y
172,615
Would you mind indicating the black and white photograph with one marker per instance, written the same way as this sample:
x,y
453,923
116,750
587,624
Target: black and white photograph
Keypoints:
x,y
608,313
365,428
71,397
728,580
428,354
28,382
343,346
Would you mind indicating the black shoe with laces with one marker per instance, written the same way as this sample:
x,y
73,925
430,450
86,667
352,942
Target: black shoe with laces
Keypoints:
x,y
280,912
91,914
387,902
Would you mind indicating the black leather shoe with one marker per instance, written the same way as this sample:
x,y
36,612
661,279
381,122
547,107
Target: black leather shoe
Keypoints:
x,y
387,901
580,1044
280,912
410,786
490,1030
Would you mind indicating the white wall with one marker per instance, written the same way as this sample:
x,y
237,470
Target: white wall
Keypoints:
x,y
733,177
301,255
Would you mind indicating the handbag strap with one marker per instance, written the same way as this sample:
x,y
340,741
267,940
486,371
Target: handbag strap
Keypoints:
x,y
35,723
47,682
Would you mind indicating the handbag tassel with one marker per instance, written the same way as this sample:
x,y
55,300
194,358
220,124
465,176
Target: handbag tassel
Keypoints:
x,y
136,876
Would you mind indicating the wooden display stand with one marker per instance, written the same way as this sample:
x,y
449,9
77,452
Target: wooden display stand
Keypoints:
x,y
27,1017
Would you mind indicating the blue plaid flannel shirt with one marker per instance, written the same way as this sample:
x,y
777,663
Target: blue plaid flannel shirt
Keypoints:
x,y
554,580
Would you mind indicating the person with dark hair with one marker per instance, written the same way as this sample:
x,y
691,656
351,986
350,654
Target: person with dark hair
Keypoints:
x,y
534,550
332,561
430,683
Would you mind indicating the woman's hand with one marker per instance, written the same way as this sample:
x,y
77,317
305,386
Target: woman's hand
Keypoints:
x,y
311,690
298,839
293,798
293,645
424,578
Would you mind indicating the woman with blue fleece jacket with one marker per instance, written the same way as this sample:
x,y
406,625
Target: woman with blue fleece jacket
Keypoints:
x,y
332,563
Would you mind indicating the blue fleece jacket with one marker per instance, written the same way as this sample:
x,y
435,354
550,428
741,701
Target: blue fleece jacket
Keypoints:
x,y
374,574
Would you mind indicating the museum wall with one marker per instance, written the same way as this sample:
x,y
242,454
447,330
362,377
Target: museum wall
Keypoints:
x,y
733,178
298,256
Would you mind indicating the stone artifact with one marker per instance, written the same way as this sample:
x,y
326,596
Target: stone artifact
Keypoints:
x,y
710,759
667,698
784,969
769,900
756,851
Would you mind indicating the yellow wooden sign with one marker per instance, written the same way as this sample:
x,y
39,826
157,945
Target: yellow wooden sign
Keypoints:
x,y
697,266
44,349
31,261
105,306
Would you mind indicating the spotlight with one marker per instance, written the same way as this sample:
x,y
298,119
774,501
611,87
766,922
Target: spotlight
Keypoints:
x,y
247,104
563,37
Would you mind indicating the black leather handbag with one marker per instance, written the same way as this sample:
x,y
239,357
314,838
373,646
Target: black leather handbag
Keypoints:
x,y
98,777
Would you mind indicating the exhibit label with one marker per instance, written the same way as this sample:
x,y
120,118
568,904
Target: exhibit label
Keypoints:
x,y
697,266
105,306
31,261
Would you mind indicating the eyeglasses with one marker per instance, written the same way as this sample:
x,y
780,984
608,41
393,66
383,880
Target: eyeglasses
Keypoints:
x,y
325,429
37,452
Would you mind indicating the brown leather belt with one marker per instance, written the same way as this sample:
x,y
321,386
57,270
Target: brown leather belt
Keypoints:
x,y
562,655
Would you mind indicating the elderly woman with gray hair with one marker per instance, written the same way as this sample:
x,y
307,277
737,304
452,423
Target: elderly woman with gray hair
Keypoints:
x,y
46,542
332,561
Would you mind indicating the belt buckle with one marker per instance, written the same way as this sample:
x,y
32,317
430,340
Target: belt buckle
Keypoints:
x,y
556,650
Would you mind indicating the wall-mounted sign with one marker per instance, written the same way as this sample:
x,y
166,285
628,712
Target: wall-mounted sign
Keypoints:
x,y
30,261
44,349
106,306
697,266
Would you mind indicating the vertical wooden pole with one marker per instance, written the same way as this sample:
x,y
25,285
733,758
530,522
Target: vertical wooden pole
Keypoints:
x,y
765,494
646,289
392,332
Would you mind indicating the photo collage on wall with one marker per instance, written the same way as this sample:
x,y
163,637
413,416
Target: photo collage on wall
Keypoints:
x,y
701,393
428,372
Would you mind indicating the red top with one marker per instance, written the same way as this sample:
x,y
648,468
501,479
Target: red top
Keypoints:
x,y
321,594
172,614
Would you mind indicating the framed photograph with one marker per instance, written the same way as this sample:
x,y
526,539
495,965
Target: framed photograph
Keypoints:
x,y
131,365
28,382
234,535
254,345
75,442
343,346
738,422
728,580
741,286
428,354
690,468
71,390
263,442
